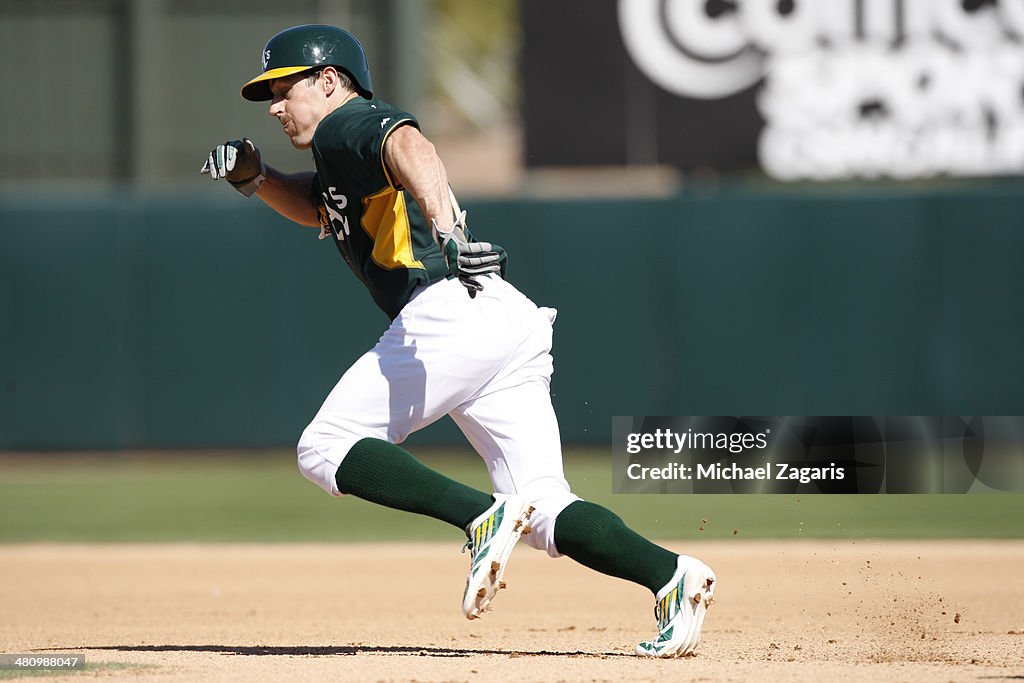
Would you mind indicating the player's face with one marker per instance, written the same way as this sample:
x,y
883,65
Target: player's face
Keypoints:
x,y
299,107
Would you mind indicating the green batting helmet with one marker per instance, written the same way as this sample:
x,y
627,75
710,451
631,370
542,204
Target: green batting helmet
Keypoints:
x,y
302,48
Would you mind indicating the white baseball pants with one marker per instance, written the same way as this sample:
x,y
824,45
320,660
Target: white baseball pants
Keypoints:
x,y
486,362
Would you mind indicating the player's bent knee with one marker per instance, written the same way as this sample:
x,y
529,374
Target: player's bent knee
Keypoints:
x,y
318,458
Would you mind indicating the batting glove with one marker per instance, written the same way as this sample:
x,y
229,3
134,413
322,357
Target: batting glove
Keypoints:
x,y
238,162
481,258
469,260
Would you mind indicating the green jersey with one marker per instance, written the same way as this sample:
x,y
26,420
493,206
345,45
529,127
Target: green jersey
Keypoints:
x,y
378,229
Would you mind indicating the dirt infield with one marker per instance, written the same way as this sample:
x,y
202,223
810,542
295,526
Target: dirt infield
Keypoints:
x,y
865,611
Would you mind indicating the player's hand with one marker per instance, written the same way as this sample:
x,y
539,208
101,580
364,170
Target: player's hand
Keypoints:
x,y
481,258
469,260
239,162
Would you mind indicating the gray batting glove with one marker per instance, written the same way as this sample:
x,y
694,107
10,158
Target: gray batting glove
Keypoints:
x,y
238,162
469,260
452,245
481,258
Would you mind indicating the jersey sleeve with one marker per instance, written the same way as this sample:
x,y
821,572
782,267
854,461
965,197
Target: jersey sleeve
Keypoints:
x,y
390,129
314,190
360,137
316,197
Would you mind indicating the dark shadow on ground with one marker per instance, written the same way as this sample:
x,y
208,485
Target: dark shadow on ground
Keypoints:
x,y
336,650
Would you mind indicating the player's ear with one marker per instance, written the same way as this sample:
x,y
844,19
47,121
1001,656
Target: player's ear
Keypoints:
x,y
329,76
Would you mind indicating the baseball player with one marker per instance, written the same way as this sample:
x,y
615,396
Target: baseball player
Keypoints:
x,y
462,341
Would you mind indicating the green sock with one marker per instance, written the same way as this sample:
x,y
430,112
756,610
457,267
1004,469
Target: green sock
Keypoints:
x,y
383,473
597,538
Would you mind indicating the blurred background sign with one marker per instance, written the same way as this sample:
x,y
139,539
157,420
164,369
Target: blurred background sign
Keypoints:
x,y
810,90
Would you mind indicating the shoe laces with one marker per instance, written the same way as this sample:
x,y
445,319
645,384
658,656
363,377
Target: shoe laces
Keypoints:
x,y
468,546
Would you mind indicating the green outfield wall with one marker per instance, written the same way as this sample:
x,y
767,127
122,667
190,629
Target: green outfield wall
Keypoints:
x,y
129,321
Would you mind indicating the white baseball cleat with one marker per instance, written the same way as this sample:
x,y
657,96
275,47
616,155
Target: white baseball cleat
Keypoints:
x,y
492,536
680,608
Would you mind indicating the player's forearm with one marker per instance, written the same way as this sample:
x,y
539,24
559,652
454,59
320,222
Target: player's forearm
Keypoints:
x,y
413,161
291,195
